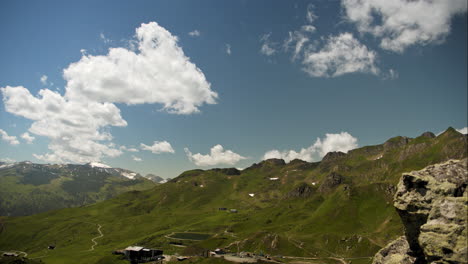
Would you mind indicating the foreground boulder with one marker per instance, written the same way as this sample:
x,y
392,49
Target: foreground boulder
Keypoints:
x,y
432,204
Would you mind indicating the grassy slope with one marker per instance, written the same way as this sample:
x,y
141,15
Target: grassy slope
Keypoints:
x,y
354,219
33,190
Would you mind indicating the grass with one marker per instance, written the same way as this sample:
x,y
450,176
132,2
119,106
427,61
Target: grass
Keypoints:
x,y
352,220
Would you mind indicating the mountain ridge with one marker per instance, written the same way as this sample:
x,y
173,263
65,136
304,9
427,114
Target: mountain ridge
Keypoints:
x,y
340,208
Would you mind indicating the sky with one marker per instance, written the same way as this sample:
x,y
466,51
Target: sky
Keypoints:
x,y
165,86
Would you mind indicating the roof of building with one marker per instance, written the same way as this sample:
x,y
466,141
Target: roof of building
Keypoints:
x,y
134,248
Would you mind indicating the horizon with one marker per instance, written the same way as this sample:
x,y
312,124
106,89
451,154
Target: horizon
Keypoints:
x,y
463,131
247,82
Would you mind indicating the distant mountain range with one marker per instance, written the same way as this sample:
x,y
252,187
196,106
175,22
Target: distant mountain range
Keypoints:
x,y
27,188
333,211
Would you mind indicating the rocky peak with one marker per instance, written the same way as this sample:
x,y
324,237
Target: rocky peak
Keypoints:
x,y
432,204
396,142
428,135
334,155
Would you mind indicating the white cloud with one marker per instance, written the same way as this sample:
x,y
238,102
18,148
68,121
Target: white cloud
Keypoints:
x,y
217,156
75,128
43,79
159,73
333,142
268,47
137,159
7,160
195,33
158,147
129,149
310,16
104,38
297,39
27,137
228,49
78,122
463,130
402,23
340,55
12,140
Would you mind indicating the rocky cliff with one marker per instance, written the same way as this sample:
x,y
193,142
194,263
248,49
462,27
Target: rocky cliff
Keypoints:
x,y
432,204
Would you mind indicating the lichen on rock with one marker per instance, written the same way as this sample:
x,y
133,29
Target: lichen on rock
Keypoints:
x,y
432,204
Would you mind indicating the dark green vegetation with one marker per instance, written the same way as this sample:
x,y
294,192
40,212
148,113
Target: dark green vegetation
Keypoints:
x,y
18,260
340,207
190,236
27,188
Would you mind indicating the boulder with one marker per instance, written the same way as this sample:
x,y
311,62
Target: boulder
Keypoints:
x,y
433,204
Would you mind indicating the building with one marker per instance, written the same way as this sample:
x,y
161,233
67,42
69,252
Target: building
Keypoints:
x,y
138,254
10,254
233,210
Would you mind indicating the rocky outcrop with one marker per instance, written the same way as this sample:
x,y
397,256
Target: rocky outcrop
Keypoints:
x,y
334,155
267,163
303,190
331,181
397,252
432,204
428,135
396,142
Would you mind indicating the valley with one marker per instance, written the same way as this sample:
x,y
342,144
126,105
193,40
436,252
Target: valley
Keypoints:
x,y
334,211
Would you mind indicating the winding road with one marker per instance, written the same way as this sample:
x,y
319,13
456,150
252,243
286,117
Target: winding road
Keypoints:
x,y
94,238
16,251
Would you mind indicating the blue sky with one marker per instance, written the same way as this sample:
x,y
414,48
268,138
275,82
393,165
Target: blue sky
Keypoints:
x,y
365,71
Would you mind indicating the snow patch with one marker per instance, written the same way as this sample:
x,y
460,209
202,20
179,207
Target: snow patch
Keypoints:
x,y
99,165
130,175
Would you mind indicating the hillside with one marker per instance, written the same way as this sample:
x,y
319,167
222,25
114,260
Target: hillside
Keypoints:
x,y
339,208
27,188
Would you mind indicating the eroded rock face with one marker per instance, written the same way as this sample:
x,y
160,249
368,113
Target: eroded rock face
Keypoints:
x,y
432,204
397,252
301,191
331,181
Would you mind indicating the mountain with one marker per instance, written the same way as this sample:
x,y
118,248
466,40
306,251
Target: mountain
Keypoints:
x,y
27,188
156,178
334,211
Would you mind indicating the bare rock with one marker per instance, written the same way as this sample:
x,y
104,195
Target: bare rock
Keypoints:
x,y
397,252
433,204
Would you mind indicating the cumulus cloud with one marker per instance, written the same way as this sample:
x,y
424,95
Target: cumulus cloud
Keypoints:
x,y
268,47
137,159
402,23
217,156
228,49
463,130
159,73
340,55
195,33
332,142
12,140
78,123
158,147
43,79
27,137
